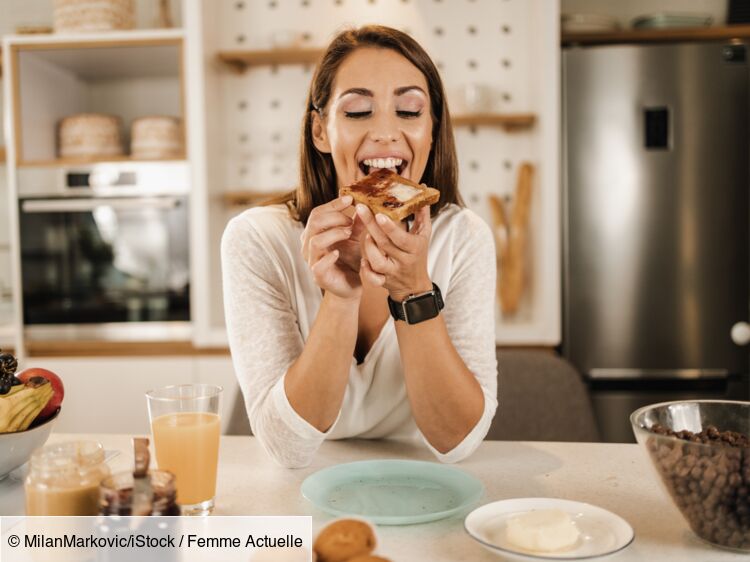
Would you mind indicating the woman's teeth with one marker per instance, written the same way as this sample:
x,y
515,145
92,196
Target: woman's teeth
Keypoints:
x,y
391,164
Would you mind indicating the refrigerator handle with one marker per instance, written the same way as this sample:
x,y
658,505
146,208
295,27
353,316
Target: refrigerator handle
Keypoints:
x,y
741,333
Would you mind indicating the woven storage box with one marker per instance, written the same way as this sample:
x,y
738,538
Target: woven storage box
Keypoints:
x,y
157,137
87,135
81,16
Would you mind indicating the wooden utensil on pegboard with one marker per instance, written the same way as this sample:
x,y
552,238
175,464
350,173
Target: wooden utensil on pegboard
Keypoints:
x,y
510,240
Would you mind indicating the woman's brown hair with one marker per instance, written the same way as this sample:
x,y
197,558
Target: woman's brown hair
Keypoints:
x,y
317,182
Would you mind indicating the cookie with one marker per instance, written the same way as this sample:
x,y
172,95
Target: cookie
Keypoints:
x,y
344,539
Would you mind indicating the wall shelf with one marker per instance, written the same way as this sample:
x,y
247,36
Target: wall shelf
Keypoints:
x,y
241,60
62,162
508,121
717,33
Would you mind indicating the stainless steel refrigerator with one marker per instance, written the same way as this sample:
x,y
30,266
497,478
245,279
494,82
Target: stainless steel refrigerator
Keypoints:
x,y
656,215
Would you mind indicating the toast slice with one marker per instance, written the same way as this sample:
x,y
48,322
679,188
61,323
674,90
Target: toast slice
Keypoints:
x,y
384,191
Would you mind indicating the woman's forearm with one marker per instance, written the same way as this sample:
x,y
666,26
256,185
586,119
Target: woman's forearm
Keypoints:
x,y
316,381
446,399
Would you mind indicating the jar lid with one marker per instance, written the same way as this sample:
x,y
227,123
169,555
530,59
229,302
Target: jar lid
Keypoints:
x,y
71,455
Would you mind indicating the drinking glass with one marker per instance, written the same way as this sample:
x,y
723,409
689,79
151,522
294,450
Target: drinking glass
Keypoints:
x,y
185,425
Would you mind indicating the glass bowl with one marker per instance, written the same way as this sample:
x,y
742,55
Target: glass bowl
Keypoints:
x,y
706,475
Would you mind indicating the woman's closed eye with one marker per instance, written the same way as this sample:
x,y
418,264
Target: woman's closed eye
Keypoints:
x,y
357,114
401,113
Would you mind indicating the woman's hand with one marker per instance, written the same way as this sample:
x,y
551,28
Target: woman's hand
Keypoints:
x,y
394,258
327,250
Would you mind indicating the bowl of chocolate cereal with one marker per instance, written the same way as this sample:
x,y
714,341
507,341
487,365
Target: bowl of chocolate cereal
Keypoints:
x,y
701,451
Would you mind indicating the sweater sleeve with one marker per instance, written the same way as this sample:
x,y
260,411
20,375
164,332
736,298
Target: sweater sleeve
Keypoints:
x,y
264,339
470,320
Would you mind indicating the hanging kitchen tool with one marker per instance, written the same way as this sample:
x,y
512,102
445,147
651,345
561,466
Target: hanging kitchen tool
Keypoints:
x,y
510,240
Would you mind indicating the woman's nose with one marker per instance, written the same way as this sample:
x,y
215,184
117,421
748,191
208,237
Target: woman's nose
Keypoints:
x,y
384,130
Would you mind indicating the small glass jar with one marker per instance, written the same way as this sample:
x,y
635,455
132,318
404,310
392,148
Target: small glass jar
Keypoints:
x,y
116,494
64,479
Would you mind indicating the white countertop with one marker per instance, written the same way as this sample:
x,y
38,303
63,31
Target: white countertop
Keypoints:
x,y
617,477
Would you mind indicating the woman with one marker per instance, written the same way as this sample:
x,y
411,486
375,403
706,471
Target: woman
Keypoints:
x,y
307,285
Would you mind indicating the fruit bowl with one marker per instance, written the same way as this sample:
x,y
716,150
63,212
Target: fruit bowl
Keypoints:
x,y
16,447
701,451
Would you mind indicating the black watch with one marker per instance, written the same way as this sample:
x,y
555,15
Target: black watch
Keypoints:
x,y
418,308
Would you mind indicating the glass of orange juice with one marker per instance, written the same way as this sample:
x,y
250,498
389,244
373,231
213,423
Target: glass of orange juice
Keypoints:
x,y
185,425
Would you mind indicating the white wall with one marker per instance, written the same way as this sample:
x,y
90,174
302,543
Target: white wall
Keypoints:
x,y
107,394
510,46
626,10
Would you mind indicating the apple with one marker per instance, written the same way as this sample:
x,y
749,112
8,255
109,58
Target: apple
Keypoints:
x,y
58,391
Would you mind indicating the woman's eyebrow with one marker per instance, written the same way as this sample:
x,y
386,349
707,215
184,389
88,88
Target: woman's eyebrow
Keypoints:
x,y
365,92
360,91
404,89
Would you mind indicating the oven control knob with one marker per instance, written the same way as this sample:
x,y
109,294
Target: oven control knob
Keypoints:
x,y
741,333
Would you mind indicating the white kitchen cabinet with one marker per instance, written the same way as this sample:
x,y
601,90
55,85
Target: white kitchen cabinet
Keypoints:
x,y
107,394
218,369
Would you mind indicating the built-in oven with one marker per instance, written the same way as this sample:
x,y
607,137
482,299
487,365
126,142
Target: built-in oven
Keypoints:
x,y
104,251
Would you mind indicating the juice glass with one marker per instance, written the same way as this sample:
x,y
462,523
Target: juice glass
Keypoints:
x,y
185,426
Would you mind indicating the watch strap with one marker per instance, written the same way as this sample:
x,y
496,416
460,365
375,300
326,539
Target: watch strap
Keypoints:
x,y
399,309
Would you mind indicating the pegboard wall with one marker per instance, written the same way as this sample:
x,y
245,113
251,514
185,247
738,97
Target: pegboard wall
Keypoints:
x,y
492,44
480,42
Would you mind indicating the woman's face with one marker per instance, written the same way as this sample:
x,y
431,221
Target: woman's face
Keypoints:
x,y
378,116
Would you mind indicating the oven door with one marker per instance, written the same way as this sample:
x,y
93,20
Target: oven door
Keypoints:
x,y
101,260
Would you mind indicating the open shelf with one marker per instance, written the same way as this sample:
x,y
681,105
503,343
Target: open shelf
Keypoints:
x,y
249,198
241,60
717,33
508,121
128,75
139,56
62,162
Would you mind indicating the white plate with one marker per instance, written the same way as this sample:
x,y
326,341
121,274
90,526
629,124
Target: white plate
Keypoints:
x,y
601,531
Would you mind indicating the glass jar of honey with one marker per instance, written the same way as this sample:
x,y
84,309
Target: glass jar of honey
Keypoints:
x,y
64,479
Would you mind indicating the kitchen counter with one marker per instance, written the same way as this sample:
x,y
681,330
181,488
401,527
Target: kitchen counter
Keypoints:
x,y
616,477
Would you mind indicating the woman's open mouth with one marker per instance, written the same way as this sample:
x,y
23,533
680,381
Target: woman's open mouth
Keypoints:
x,y
397,165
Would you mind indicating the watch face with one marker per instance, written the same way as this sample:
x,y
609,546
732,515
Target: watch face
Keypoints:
x,y
421,308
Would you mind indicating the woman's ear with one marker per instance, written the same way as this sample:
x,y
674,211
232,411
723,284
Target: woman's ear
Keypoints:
x,y
319,134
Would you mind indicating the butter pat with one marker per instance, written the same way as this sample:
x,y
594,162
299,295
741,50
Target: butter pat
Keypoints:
x,y
543,530
402,192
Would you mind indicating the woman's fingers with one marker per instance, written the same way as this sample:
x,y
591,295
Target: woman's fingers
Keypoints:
x,y
325,217
330,219
380,237
338,204
320,243
403,240
378,261
367,274
422,223
321,269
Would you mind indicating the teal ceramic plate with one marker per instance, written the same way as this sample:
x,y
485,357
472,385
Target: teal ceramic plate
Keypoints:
x,y
392,492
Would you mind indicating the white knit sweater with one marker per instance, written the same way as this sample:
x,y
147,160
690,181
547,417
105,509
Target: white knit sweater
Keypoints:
x,y
271,301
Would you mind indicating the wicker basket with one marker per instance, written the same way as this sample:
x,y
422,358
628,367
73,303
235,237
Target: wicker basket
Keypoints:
x,y
83,16
90,135
157,137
